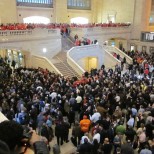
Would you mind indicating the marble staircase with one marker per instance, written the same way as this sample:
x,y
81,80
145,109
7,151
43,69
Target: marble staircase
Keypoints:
x,y
60,62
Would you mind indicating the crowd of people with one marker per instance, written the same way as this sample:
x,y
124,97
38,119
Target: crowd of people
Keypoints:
x,y
142,62
83,41
108,112
110,24
62,26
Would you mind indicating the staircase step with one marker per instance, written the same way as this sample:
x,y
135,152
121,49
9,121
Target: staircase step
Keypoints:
x,y
60,60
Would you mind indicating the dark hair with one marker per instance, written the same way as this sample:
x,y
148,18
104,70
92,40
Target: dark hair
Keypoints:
x,y
11,133
85,140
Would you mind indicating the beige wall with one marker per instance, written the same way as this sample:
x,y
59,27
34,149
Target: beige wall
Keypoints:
x,y
97,6
23,12
64,15
60,11
8,11
123,9
79,13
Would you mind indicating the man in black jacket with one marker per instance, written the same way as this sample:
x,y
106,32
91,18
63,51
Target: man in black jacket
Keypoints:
x,y
130,134
59,132
85,148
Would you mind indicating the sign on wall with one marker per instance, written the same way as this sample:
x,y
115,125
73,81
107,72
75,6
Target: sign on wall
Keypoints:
x,y
147,36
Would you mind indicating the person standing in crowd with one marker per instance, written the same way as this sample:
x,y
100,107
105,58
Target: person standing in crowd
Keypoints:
x,y
85,124
76,134
13,64
59,132
107,146
126,148
111,92
85,148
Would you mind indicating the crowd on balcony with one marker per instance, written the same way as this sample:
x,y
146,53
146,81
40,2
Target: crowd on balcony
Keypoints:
x,y
26,26
110,24
103,108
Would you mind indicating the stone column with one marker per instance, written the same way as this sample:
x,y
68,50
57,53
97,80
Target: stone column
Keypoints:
x,y
60,11
141,18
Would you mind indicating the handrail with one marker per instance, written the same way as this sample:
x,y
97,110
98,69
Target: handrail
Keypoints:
x,y
89,46
123,53
2,117
111,55
69,57
49,62
35,31
65,65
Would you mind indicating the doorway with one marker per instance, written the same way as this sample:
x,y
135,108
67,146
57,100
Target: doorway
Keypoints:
x,y
91,63
132,48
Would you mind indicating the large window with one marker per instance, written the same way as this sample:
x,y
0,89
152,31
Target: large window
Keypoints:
x,y
36,19
79,4
79,20
35,3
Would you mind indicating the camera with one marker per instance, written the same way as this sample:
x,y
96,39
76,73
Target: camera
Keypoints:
x,y
27,134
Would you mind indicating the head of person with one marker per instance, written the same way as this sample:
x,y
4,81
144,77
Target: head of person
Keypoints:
x,y
85,140
106,140
85,117
11,133
95,142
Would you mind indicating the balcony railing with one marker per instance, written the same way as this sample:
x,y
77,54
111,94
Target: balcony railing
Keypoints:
x,y
9,35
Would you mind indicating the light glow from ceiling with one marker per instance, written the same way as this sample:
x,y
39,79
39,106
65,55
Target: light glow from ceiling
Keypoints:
x,y
79,20
36,20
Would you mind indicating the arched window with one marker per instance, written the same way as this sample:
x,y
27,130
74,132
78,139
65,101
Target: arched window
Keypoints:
x,y
79,20
37,19
35,3
79,4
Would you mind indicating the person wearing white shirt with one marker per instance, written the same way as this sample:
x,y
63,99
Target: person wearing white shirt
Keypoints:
x,y
78,99
134,111
85,136
95,117
96,136
53,95
131,121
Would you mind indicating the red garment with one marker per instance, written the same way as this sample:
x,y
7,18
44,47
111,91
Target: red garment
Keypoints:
x,y
146,71
146,65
